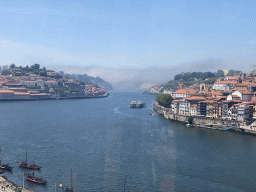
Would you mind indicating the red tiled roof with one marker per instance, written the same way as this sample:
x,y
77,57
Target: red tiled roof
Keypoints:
x,y
185,91
6,91
232,77
226,82
244,83
21,93
214,93
195,98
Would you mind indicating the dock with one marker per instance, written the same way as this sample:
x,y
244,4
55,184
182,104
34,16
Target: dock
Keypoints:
x,y
8,186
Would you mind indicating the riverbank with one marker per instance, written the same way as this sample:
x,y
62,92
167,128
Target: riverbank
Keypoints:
x,y
57,98
208,123
9,186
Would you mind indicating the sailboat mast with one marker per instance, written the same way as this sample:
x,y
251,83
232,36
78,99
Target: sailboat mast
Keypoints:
x,y
26,155
71,180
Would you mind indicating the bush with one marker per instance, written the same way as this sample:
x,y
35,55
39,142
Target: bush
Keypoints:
x,y
164,100
190,120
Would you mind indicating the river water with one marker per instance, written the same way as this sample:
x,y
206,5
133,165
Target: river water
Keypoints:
x,y
103,140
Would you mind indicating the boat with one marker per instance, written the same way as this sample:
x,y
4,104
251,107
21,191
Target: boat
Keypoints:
x,y
139,104
24,164
32,178
69,189
5,166
135,104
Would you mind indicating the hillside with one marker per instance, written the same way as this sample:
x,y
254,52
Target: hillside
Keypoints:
x,y
94,80
189,78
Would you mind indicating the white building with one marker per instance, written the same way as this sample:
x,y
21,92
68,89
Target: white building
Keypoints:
x,y
28,83
243,112
224,85
193,110
184,108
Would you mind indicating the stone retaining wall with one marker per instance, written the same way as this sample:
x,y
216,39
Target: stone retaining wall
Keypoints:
x,y
204,121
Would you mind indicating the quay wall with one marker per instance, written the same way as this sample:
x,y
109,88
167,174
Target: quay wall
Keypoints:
x,y
206,122
51,98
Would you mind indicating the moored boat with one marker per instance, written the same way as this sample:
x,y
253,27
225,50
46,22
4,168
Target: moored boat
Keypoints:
x,y
5,166
28,166
32,178
69,189
24,164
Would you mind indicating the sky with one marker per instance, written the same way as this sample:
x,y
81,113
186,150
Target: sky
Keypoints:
x,y
147,41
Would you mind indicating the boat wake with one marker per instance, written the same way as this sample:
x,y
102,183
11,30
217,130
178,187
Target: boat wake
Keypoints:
x,y
116,111
109,96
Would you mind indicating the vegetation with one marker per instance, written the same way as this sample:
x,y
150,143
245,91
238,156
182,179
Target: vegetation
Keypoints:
x,y
19,71
220,73
62,91
43,73
164,100
190,120
6,73
33,88
195,75
189,78
233,72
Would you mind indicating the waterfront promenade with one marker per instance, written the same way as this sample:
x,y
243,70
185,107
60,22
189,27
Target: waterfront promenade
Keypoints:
x,y
8,186
208,123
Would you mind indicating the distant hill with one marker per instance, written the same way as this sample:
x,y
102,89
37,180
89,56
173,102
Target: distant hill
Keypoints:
x,y
190,78
97,80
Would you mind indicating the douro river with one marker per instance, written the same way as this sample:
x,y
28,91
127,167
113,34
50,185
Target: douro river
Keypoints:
x,y
104,141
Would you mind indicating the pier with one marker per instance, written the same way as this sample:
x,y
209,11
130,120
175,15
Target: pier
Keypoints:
x,y
8,186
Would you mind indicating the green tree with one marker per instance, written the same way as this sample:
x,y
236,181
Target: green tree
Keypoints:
x,y
164,99
178,76
190,120
43,73
231,72
12,66
237,72
5,72
220,73
32,67
37,66
57,76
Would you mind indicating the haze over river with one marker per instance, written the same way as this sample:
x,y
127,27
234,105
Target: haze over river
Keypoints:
x,y
103,140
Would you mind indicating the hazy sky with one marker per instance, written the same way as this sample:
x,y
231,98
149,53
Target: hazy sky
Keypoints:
x,y
138,35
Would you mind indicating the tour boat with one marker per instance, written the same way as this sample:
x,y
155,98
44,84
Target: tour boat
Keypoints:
x,y
28,166
32,178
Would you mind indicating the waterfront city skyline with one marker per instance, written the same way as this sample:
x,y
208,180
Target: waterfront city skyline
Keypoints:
x,y
129,40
